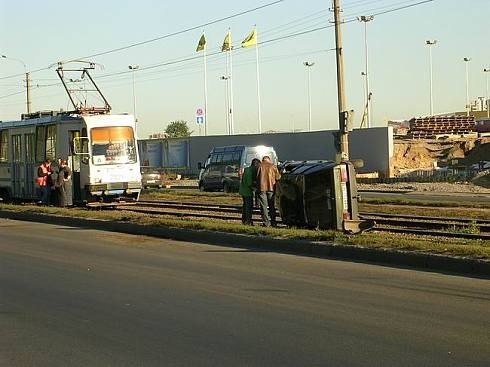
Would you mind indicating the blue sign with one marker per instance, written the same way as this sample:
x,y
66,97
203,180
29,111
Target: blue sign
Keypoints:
x,y
200,120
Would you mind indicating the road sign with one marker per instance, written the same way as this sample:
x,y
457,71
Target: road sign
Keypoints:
x,y
199,112
200,120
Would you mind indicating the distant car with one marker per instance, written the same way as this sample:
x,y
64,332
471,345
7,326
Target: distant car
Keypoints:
x,y
151,178
224,166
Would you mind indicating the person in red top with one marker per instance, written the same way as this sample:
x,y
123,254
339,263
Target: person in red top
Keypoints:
x,y
43,182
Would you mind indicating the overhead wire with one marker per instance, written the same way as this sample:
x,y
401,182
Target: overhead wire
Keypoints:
x,y
266,42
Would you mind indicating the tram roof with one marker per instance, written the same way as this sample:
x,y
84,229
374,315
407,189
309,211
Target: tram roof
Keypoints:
x,y
39,118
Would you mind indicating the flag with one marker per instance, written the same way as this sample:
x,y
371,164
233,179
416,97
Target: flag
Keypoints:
x,y
202,43
250,40
226,42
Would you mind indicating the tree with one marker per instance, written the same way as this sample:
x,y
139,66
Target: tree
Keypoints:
x,y
178,129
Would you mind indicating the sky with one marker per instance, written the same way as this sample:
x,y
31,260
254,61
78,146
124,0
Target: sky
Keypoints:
x,y
167,87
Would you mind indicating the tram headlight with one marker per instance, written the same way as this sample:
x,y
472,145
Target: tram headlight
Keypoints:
x,y
129,191
106,192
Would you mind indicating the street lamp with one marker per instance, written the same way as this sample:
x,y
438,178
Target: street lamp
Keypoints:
x,y
227,102
28,81
308,65
466,61
487,71
133,68
431,43
365,19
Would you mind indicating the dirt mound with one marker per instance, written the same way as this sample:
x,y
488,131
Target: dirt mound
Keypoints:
x,y
424,155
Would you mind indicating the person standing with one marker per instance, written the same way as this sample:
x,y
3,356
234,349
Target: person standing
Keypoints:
x,y
65,185
267,176
43,182
247,192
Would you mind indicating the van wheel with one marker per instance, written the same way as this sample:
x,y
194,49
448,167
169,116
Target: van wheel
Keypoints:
x,y
227,188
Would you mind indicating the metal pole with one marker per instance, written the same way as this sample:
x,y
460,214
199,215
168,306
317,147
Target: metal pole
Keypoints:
x,y
368,100
205,94
344,142
431,43
232,110
308,66
487,71
259,109
467,60
133,69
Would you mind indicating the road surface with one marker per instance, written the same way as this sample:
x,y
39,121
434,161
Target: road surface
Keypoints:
x,y
77,297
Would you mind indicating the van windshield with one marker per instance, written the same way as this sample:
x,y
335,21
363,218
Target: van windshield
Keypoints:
x,y
113,145
260,155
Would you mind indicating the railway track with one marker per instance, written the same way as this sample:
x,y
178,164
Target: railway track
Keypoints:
x,y
421,225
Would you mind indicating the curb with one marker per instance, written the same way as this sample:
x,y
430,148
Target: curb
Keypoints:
x,y
421,261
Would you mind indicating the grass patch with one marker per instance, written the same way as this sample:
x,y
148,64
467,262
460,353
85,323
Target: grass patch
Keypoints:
x,y
476,249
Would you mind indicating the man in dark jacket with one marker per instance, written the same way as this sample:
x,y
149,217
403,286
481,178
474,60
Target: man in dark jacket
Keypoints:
x,y
246,191
267,176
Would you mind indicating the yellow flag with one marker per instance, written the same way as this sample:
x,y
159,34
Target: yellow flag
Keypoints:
x,y
251,39
226,43
202,43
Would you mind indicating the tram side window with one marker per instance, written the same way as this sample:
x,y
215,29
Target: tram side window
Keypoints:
x,y
17,148
4,146
30,148
40,146
45,142
51,142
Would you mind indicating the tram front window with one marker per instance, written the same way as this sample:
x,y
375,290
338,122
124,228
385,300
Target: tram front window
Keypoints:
x,y
113,145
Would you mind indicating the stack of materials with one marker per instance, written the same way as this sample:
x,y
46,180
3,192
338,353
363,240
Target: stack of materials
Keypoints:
x,y
434,127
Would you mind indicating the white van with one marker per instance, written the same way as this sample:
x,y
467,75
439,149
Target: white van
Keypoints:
x,y
224,166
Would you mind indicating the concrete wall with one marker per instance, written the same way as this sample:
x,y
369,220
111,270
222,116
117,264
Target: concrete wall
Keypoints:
x,y
374,146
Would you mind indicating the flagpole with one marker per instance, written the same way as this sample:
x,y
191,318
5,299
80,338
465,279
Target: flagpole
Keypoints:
x,y
205,93
227,97
232,129
258,82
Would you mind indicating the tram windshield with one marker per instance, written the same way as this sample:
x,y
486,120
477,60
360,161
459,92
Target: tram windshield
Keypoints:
x,y
113,145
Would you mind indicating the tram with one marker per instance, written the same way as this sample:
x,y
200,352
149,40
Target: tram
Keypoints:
x,y
101,150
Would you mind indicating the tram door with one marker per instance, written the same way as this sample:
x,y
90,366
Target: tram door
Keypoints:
x,y
30,168
18,172
74,164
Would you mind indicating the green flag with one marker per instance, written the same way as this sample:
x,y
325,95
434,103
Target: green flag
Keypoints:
x,y
202,43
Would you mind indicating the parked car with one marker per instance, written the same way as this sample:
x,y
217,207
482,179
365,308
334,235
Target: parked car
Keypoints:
x,y
151,178
224,166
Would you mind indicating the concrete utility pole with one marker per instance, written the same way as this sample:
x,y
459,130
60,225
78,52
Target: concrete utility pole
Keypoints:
x,y
343,114
28,81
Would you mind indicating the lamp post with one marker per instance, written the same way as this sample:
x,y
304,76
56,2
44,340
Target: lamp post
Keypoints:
x,y
227,102
28,81
133,69
466,61
431,43
365,19
308,65
487,71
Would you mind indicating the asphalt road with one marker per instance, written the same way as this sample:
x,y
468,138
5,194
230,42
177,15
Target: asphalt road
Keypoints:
x,y
75,297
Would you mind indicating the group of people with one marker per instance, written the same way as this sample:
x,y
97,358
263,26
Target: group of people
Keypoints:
x,y
259,182
54,184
